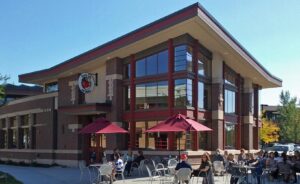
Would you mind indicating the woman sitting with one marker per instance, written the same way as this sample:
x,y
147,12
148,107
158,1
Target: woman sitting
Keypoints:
x,y
231,169
118,166
205,170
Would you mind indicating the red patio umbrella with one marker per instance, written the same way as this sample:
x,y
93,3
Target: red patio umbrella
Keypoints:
x,y
178,123
102,126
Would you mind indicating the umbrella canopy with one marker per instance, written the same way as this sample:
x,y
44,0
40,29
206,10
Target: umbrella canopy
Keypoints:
x,y
102,126
178,123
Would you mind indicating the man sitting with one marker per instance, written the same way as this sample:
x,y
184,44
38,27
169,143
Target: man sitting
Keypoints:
x,y
180,165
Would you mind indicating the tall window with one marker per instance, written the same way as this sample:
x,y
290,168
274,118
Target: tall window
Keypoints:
x,y
51,87
230,91
154,141
26,138
152,95
127,97
230,101
153,64
14,138
183,92
204,67
183,58
230,135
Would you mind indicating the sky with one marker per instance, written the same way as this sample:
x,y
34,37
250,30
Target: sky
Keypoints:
x,y
37,34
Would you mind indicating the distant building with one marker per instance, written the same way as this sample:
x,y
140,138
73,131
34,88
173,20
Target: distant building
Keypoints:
x,y
271,112
13,92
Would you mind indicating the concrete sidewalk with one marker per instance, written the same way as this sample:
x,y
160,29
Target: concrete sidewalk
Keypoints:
x,y
59,175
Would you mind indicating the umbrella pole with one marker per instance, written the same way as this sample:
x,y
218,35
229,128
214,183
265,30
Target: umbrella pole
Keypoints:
x,y
179,149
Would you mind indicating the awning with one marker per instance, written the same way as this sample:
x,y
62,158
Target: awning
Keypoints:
x,y
102,126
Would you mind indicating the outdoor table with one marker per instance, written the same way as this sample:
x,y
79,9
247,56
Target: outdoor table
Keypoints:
x,y
245,171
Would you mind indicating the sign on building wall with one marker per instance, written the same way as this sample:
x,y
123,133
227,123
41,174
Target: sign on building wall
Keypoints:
x,y
86,82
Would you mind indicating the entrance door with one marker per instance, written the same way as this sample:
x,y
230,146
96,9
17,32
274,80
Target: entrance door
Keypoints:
x,y
95,144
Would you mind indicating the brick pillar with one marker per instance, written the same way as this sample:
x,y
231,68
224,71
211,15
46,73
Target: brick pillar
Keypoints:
x,y
171,136
31,132
195,143
132,102
239,112
247,138
114,94
256,117
216,137
19,133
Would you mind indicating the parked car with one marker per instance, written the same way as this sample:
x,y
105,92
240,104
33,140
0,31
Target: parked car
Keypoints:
x,y
280,148
268,147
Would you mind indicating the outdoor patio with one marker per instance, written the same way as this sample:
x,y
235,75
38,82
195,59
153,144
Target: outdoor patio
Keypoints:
x,y
59,175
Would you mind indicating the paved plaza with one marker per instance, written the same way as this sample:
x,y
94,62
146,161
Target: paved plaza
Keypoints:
x,y
60,175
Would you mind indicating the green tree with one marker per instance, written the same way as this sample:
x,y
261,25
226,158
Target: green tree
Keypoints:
x,y
289,120
3,79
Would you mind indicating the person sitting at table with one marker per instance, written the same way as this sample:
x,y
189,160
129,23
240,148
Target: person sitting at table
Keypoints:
x,y
118,166
182,164
115,152
296,165
231,169
271,164
242,156
136,162
128,158
284,168
251,160
205,170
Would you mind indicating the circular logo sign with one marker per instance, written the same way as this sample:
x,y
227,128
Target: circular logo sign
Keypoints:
x,y
86,82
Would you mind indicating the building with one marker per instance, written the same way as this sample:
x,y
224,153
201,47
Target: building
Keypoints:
x,y
271,112
185,62
13,92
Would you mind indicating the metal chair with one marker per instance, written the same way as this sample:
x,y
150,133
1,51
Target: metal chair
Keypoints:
x,y
183,175
218,167
152,175
121,172
105,170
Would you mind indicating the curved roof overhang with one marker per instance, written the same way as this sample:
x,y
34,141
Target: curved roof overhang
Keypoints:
x,y
194,20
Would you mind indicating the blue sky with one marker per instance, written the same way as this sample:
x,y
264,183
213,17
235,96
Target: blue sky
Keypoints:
x,y
36,34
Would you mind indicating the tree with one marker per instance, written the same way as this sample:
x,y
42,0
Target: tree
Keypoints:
x,y
3,78
289,119
269,131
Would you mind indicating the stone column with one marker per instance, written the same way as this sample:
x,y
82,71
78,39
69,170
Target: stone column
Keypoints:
x,y
217,124
114,94
31,132
195,137
256,118
171,136
132,102
247,129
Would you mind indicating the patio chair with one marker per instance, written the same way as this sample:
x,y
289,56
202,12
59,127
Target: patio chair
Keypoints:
x,y
121,172
172,162
105,171
183,175
140,167
82,167
218,167
153,175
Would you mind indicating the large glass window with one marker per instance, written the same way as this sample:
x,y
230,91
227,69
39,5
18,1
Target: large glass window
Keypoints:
x,y
51,87
152,95
204,67
229,135
153,141
14,138
25,139
140,68
153,64
230,101
183,92
127,97
183,58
